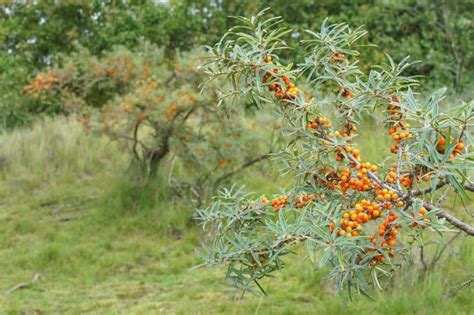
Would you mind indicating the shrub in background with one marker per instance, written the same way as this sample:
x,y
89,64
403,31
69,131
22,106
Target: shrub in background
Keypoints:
x,y
155,109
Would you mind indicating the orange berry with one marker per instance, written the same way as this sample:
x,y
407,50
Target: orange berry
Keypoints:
x,y
459,146
442,141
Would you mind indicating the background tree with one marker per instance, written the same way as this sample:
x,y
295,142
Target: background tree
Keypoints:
x,y
154,108
37,34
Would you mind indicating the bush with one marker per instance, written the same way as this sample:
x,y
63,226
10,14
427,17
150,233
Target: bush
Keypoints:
x,y
13,106
154,108
354,216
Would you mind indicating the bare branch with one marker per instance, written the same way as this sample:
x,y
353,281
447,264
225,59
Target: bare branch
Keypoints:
x,y
441,183
469,187
429,189
452,219
422,258
461,286
445,246
242,167
23,285
135,139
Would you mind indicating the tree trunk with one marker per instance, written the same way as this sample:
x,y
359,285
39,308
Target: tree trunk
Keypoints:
x,y
154,157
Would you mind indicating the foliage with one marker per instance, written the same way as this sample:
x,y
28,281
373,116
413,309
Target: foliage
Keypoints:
x,y
353,216
36,34
155,109
438,32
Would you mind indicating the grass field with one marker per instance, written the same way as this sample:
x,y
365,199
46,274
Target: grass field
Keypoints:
x,y
67,215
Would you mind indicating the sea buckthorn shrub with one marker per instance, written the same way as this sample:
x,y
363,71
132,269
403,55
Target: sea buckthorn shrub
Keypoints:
x,y
354,216
154,107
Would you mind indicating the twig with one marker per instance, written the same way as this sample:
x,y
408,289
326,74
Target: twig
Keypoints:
x,y
427,190
135,140
243,166
23,285
451,219
440,184
399,160
461,286
422,258
443,196
440,253
469,187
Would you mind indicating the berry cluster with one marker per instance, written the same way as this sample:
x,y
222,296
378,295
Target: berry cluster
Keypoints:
x,y
387,196
281,201
421,212
318,121
351,222
359,181
304,199
338,57
441,147
277,203
405,180
346,93
42,83
398,133
348,131
397,126
274,79
387,232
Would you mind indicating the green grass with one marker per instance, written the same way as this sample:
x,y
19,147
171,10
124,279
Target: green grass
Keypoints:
x,y
67,213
